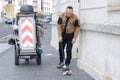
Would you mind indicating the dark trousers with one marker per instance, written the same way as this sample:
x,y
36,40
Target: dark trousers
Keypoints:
x,y
67,41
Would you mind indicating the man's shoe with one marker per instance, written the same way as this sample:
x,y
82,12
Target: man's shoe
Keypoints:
x,y
60,65
66,68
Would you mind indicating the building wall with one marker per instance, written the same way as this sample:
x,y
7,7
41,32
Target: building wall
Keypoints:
x,y
114,12
99,39
34,3
40,6
47,7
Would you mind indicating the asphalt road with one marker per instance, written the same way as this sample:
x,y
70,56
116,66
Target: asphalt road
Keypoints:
x,y
5,29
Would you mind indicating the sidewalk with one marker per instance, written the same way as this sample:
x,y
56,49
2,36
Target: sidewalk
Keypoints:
x,y
50,59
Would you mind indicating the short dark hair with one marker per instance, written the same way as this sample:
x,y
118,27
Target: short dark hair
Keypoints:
x,y
69,7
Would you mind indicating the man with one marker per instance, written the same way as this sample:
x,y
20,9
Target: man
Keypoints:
x,y
68,30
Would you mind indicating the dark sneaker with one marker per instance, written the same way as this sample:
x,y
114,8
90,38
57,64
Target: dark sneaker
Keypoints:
x,y
66,68
60,65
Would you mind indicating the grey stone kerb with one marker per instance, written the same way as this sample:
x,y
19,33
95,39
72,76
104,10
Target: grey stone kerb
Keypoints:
x,y
110,29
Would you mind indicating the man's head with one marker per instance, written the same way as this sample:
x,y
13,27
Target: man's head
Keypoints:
x,y
69,11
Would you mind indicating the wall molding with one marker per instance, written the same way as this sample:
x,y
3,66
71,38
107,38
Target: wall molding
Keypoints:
x,y
103,28
92,8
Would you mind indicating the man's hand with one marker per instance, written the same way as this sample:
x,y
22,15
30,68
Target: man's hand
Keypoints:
x,y
60,39
73,40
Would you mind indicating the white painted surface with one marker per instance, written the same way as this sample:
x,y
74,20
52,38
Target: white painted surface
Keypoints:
x,y
100,54
96,16
93,3
114,18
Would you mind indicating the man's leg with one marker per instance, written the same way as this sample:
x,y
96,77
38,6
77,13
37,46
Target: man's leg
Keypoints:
x,y
61,53
69,52
69,55
61,50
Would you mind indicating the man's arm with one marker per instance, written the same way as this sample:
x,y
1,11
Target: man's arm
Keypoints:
x,y
59,28
77,28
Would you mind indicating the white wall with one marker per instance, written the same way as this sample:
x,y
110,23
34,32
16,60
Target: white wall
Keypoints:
x,y
114,12
100,39
114,18
93,11
100,55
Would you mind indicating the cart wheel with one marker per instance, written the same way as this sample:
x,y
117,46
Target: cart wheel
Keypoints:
x,y
16,59
38,59
16,56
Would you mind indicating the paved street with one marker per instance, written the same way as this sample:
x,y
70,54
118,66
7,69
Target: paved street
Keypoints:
x,y
5,29
31,71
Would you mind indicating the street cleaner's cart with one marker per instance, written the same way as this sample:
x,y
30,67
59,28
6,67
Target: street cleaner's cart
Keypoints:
x,y
27,40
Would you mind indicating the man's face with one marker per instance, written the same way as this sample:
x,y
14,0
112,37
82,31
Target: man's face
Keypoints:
x,y
69,12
